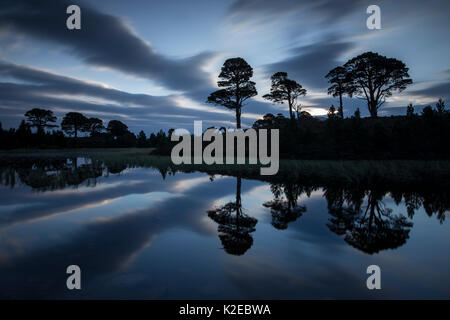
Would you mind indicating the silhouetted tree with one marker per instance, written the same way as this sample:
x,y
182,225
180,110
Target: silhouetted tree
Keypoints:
x,y
340,86
74,122
40,118
142,139
410,110
235,79
428,112
440,106
267,121
331,112
152,140
304,114
24,134
169,132
284,90
120,134
94,126
117,128
373,77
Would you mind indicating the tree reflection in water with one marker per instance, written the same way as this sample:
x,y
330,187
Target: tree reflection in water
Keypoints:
x,y
433,202
369,228
356,207
44,174
234,225
284,207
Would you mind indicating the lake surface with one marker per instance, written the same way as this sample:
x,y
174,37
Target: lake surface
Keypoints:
x,y
142,233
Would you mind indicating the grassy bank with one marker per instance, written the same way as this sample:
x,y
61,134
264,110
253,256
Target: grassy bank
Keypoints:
x,y
404,172
71,152
340,172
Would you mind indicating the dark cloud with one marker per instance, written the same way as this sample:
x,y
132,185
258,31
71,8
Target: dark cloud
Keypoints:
x,y
51,83
437,90
309,64
24,88
16,99
103,40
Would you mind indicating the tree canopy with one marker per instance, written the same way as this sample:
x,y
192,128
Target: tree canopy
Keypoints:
x,y
40,118
284,90
340,85
117,128
235,79
94,126
73,122
374,77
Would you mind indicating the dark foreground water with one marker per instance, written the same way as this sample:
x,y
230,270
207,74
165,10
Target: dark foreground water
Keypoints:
x,y
140,233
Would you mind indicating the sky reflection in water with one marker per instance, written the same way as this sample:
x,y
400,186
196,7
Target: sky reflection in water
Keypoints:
x,y
137,235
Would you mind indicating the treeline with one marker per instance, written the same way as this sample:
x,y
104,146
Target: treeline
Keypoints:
x,y
368,76
38,129
420,136
412,136
423,135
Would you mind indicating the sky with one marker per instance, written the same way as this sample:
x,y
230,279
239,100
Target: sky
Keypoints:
x,y
152,64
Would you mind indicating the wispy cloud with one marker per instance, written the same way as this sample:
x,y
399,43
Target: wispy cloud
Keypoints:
x,y
104,41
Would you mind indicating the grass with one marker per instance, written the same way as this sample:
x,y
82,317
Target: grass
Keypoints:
x,y
404,172
75,152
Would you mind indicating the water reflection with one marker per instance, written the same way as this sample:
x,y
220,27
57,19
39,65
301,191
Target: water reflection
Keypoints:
x,y
234,225
284,207
45,174
435,202
369,227
163,224
357,211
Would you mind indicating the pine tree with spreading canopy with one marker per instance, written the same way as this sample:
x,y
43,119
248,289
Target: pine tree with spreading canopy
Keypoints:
x,y
374,78
237,87
286,90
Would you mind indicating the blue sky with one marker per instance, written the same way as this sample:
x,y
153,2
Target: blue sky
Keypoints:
x,y
152,64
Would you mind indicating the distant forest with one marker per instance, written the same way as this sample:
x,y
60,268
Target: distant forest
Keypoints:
x,y
369,76
412,136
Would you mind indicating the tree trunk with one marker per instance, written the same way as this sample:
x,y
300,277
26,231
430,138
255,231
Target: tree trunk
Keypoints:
x,y
341,107
372,103
373,109
238,118
291,113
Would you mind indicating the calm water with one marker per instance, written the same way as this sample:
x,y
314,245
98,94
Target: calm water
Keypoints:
x,y
140,233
